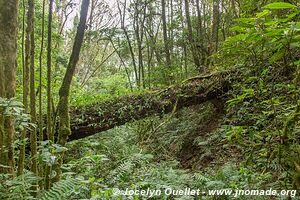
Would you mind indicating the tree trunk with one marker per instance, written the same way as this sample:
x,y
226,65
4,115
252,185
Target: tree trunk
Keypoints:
x,y
41,136
63,104
49,71
215,26
8,49
25,93
3,154
165,33
138,29
86,121
191,37
200,34
122,18
33,137
184,55
49,130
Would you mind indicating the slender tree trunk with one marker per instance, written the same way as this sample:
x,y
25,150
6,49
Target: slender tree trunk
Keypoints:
x,y
215,26
123,63
49,72
150,53
185,56
139,23
200,33
184,46
171,30
91,17
3,154
122,17
207,48
150,40
63,104
25,93
191,37
33,136
50,134
8,49
199,21
165,33
138,81
153,39
138,40
41,136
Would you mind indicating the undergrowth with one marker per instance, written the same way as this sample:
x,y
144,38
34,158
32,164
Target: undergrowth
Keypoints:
x,y
146,154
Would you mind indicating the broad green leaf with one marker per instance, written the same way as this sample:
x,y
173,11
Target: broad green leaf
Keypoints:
x,y
239,29
265,71
249,91
297,62
279,5
271,23
92,179
238,37
246,25
273,33
246,20
278,55
262,14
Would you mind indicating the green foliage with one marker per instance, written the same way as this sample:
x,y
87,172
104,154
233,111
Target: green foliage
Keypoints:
x,y
49,153
21,188
261,123
165,137
265,50
61,190
146,154
269,38
100,89
279,5
18,188
14,108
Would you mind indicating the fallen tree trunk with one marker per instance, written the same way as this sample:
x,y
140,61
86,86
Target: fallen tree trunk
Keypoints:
x,y
87,121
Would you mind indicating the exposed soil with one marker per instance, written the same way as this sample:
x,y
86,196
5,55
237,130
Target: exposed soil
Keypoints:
x,y
193,156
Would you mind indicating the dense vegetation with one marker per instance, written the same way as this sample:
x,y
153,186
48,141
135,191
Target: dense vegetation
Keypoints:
x,y
174,94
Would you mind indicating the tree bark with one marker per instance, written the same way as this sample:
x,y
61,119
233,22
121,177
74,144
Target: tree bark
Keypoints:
x,y
49,71
3,155
41,136
86,121
139,30
215,25
49,130
63,104
33,136
8,49
165,33
25,93
191,37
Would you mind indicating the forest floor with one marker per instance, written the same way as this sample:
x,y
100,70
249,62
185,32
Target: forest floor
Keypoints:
x,y
190,152
182,149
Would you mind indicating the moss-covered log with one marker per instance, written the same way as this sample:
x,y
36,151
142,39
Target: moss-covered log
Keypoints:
x,y
86,121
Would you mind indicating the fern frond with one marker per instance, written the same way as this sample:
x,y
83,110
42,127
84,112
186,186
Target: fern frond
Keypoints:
x,y
61,190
